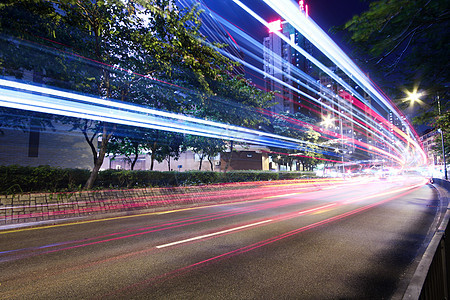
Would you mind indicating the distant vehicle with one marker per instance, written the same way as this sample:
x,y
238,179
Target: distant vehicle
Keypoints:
x,y
383,173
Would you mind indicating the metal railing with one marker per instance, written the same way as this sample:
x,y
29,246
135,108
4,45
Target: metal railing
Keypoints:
x,y
431,281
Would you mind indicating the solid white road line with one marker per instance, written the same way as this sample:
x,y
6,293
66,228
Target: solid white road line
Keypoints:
x,y
211,234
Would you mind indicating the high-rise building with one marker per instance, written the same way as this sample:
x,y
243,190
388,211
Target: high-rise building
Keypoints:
x,y
280,62
346,115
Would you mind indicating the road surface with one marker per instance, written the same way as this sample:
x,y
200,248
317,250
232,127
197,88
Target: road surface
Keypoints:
x,y
354,240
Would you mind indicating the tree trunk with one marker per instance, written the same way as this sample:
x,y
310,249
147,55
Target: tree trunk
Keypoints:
x,y
98,160
211,163
168,162
201,161
153,149
136,152
94,174
106,136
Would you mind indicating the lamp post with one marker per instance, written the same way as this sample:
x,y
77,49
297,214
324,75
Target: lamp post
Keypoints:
x,y
415,97
442,140
443,153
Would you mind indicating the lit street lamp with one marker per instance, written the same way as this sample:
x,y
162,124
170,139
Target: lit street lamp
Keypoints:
x,y
413,97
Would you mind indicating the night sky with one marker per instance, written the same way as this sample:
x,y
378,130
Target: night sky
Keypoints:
x,y
326,13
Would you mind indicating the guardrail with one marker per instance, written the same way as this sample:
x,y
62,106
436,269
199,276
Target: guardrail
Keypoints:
x,y
431,279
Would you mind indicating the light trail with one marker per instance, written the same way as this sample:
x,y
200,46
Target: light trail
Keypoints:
x,y
394,144
19,96
165,128
376,95
251,247
173,198
367,124
373,130
161,127
287,10
130,233
260,205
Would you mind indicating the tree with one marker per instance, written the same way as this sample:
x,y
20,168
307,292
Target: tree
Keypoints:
x,y
178,52
406,41
22,24
287,125
100,48
171,147
205,148
244,109
111,30
115,36
129,144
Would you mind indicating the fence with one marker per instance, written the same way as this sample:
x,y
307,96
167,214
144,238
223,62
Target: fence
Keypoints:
x,y
431,280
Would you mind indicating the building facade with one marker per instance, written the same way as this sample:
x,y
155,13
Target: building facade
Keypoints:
x,y
35,146
282,64
249,158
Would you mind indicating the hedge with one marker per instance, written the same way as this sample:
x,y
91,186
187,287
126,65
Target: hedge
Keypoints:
x,y
19,179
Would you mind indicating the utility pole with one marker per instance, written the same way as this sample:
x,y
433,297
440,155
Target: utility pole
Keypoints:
x,y
443,154
442,140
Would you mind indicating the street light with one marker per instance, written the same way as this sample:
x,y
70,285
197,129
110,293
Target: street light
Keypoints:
x,y
413,97
327,121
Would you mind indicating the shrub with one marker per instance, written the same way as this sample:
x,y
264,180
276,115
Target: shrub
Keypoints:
x,y
20,179
15,179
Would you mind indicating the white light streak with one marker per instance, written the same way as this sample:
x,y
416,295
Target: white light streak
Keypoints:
x,y
80,106
212,234
288,11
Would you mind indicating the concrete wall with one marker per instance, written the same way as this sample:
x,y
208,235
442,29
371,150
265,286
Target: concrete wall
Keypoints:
x,y
187,160
58,148
33,207
431,279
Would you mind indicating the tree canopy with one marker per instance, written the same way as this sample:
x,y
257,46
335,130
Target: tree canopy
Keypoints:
x,y
406,44
286,124
125,50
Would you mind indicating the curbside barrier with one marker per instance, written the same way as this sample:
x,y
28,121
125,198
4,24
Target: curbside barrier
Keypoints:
x,y
431,280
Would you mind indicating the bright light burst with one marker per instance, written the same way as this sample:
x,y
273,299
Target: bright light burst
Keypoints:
x,y
414,96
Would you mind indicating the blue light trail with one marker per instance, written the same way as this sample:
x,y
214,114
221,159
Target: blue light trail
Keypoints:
x,y
24,96
400,146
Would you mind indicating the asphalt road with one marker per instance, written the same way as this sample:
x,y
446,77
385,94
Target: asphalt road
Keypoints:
x,y
357,240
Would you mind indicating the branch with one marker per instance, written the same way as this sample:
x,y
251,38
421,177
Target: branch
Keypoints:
x,y
398,44
403,36
388,21
394,65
